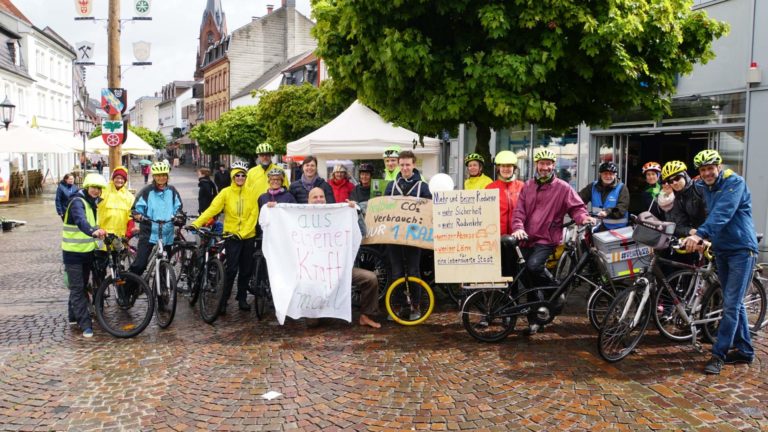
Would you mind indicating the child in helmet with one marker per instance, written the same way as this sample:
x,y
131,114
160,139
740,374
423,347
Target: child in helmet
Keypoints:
x,y
476,180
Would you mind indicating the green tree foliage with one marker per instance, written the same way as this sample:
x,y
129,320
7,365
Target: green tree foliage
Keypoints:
x,y
434,63
209,138
241,131
155,139
291,112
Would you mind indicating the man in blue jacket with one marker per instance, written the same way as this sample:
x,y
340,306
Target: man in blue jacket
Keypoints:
x,y
730,228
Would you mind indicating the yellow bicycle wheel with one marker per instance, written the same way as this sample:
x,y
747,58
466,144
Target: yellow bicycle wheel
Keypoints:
x,y
409,302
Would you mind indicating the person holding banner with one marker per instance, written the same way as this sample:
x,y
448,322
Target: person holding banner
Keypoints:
x,y
408,183
276,192
538,220
240,216
477,180
365,280
308,181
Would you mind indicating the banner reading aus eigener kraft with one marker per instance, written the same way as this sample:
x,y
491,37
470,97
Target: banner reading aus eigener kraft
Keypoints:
x,y
399,220
467,236
310,250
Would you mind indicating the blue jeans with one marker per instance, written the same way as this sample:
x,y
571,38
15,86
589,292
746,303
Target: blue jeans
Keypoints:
x,y
734,268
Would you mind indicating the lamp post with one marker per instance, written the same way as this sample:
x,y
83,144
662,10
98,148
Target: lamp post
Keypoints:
x,y
7,110
85,126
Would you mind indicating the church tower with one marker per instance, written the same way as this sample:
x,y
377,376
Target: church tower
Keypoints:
x,y
212,28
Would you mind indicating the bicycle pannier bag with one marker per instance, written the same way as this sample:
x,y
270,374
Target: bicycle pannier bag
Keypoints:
x,y
652,232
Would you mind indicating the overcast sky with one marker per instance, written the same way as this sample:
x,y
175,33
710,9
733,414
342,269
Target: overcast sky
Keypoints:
x,y
173,33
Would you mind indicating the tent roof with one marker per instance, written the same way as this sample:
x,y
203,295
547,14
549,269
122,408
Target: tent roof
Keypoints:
x,y
359,132
25,139
133,145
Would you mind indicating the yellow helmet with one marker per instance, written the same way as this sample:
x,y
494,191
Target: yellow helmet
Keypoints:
x,y
707,157
161,167
94,180
545,154
505,157
673,168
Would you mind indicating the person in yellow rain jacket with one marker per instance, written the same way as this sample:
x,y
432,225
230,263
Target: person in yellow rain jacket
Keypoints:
x,y
476,180
257,181
240,215
116,202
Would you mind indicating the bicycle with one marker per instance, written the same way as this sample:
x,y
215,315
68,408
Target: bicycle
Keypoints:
x,y
201,272
124,303
259,283
490,313
161,278
628,316
409,295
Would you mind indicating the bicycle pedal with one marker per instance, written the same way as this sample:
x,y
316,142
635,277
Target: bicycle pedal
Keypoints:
x,y
698,347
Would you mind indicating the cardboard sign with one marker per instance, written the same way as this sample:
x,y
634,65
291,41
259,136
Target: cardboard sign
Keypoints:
x,y
310,251
466,233
399,220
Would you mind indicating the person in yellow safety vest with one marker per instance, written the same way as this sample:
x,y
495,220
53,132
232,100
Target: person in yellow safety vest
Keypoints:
x,y
78,243
477,180
391,167
257,181
240,215
116,203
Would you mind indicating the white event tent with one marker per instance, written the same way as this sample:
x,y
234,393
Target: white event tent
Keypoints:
x,y
133,145
360,133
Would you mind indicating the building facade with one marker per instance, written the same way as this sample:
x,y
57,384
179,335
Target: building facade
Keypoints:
x,y
213,28
175,95
144,112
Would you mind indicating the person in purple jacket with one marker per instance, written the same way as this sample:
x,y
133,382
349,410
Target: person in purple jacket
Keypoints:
x,y
276,193
538,220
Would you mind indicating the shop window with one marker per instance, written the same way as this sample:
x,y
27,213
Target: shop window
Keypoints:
x,y
731,148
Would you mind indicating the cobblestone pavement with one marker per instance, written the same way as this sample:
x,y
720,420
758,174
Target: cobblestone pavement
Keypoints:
x,y
193,376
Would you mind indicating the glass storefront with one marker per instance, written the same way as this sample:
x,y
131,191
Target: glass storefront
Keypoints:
x,y
525,141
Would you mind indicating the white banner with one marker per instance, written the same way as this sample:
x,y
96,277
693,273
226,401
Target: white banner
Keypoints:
x,y
5,177
310,250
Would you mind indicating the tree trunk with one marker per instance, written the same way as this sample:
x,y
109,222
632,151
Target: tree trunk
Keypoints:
x,y
483,136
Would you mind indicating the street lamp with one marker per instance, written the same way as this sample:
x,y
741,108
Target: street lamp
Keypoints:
x,y
85,126
7,110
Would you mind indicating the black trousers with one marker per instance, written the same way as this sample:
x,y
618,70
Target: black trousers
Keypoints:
x,y
239,260
77,278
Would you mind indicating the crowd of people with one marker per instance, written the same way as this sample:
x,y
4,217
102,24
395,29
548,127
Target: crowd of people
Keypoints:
x,y
716,207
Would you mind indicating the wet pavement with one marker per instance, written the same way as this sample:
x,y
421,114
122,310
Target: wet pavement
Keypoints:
x,y
195,376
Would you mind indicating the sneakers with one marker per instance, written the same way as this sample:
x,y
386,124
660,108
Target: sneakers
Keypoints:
x,y
88,333
735,356
714,366
532,329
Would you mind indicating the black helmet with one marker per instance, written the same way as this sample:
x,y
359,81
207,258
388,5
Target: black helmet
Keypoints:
x,y
608,166
365,167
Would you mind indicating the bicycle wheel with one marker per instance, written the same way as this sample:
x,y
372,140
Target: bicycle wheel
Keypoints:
x,y
666,316
597,305
621,331
124,306
564,265
183,259
483,318
409,301
712,307
165,308
259,287
211,289
372,259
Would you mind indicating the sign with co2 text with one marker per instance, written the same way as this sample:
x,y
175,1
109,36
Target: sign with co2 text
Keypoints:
x,y
399,220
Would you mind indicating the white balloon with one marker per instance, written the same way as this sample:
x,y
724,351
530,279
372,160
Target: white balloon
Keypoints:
x,y
440,183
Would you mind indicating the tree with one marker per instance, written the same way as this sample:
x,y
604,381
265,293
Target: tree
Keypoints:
x,y
154,139
209,138
241,131
291,112
431,64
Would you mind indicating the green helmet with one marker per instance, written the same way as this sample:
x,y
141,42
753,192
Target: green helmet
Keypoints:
x,y
474,157
673,168
545,154
264,148
391,152
161,167
94,180
707,157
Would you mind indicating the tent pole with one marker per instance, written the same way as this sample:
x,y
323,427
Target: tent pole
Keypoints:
x,y
26,176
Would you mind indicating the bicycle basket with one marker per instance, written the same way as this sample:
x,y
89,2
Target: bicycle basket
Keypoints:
x,y
652,232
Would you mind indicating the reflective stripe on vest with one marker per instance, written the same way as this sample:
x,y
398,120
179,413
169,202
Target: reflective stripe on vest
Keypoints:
x,y
74,240
610,202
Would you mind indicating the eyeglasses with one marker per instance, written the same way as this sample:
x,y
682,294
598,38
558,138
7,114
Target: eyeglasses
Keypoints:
x,y
240,175
673,179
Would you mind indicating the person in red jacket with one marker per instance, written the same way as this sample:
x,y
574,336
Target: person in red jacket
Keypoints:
x,y
340,184
509,190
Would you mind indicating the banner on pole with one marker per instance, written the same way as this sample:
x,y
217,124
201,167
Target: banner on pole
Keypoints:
x,y
141,7
466,233
85,52
141,50
310,251
113,132
114,100
399,220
